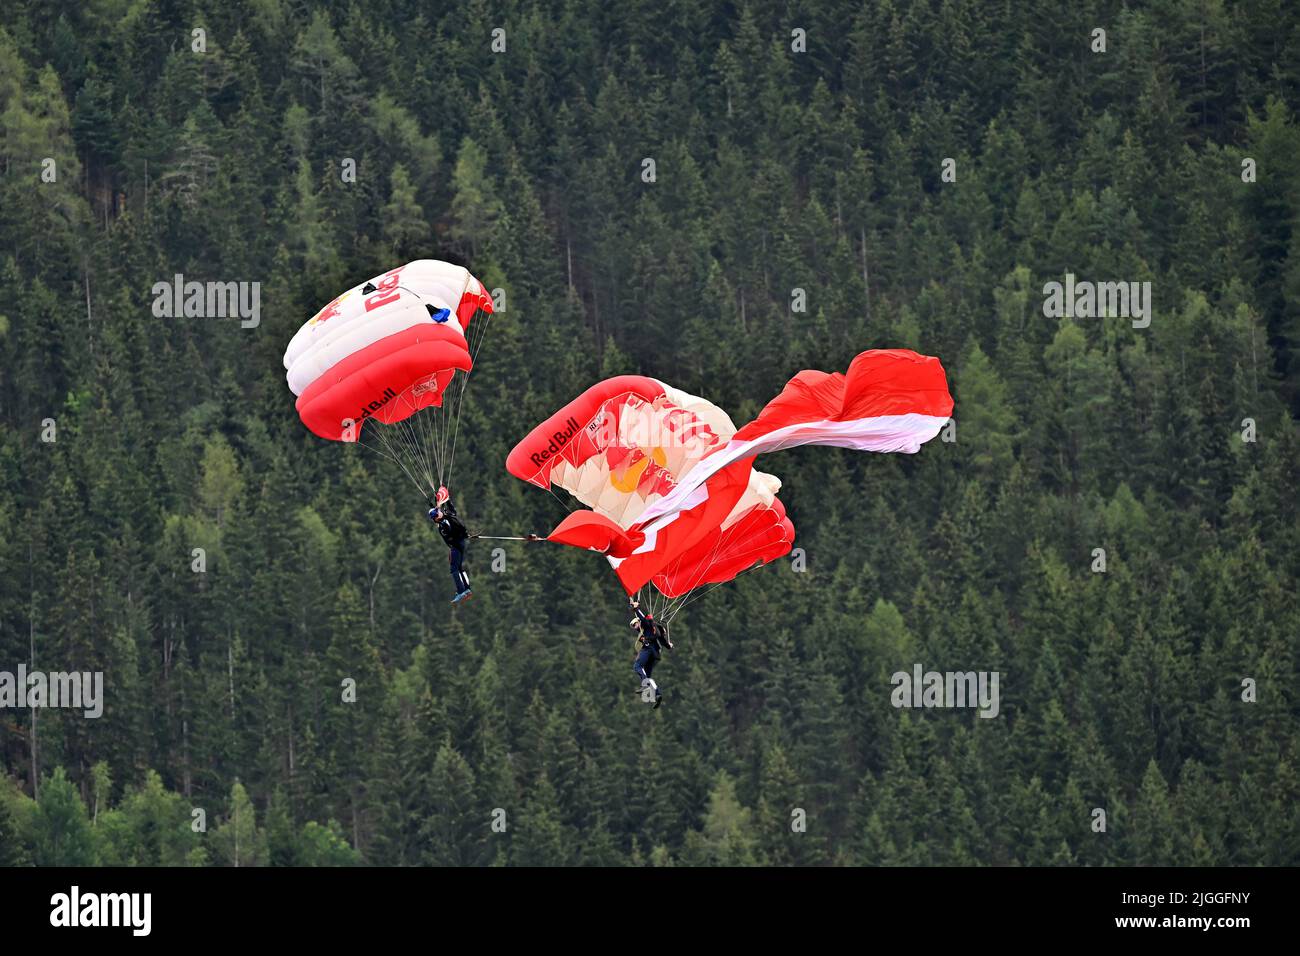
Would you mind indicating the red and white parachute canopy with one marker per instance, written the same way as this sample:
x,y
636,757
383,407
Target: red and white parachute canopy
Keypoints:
x,y
624,445
674,499
385,349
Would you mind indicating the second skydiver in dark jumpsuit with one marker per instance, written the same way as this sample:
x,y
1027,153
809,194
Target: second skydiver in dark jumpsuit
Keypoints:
x,y
652,639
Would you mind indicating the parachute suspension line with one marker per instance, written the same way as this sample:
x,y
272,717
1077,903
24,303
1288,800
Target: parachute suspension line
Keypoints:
x,y
405,429
424,442
656,603
694,596
567,506
385,449
422,434
396,433
420,431
703,566
690,594
661,611
400,439
481,321
382,446
405,437
687,598
425,425
409,444
433,429
415,430
647,598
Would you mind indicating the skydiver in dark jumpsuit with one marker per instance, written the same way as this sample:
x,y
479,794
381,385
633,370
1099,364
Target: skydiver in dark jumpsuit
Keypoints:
x,y
453,532
652,638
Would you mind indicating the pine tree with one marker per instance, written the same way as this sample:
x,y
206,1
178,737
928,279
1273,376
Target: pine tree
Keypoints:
x,y
61,831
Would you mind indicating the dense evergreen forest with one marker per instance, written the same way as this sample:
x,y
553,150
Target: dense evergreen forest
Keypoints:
x,y
796,146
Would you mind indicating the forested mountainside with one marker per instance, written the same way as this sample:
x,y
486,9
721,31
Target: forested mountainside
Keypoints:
x,y
795,147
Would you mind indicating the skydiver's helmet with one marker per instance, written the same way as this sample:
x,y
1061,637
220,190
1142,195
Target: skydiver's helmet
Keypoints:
x,y
433,514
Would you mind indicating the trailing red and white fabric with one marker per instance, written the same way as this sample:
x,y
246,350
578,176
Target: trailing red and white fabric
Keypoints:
x,y
674,499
